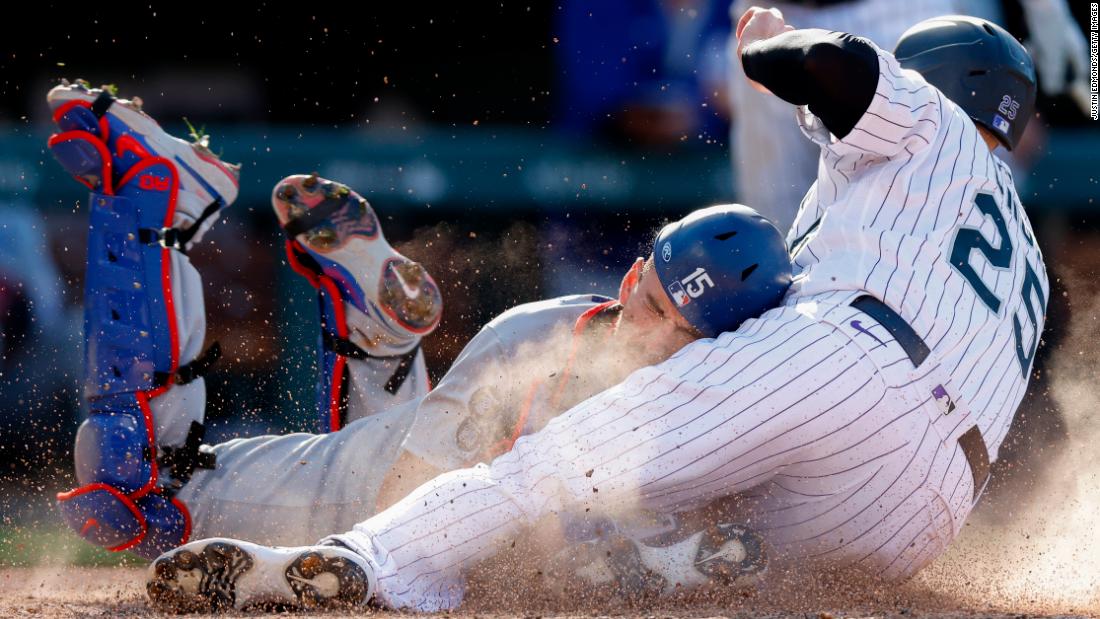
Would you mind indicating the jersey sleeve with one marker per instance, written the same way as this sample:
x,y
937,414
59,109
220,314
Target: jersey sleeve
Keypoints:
x,y
488,395
466,411
903,117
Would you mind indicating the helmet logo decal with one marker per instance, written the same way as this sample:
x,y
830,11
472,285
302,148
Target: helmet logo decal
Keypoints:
x,y
1000,124
679,296
666,251
1009,107
690,287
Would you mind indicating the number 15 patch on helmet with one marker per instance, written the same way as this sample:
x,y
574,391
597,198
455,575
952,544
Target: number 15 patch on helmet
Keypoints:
x,y
690,287
722,265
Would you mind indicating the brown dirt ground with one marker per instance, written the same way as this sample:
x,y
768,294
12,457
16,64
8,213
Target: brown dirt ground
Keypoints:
x,y
118,592
68,592
1029,551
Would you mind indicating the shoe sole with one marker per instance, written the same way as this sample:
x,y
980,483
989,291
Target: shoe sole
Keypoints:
x,y
405,292
208,580
207,168
731,555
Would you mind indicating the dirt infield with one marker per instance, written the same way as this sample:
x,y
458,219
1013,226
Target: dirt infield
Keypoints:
x,y
119,592
1003,565
1029,549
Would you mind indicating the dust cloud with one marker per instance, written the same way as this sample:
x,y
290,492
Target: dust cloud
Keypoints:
x,y
1043,555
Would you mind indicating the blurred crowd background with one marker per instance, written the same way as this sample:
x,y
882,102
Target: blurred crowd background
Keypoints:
x,y
519,150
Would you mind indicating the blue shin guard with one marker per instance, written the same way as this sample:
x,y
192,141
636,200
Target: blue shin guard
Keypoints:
x,y
335,350
333,382
132,357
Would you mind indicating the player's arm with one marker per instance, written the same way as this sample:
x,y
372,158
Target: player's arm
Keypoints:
x,y
456,422
833,73
852,90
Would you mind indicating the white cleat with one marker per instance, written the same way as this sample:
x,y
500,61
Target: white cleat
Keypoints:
x,y
221,574
725,555
203,177
392,301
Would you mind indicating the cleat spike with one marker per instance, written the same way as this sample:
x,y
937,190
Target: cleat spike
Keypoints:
x,y
287,192
314,577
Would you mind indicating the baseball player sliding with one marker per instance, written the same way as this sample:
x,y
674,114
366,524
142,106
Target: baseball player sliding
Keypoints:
x,y
147,482
856,422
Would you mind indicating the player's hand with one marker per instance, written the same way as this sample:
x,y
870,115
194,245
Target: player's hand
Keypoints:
x,y
759,24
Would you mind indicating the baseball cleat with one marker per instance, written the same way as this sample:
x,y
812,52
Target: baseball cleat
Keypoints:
x,y
729,555
395,299
131,134
635,564
221,574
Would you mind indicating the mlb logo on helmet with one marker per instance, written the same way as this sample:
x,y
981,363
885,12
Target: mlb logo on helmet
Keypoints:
x,y
678,294
1000,124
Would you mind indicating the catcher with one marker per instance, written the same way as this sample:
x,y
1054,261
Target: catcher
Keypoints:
x,y
148,484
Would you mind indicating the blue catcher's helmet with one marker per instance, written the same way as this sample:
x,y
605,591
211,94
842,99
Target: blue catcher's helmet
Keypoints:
x,y
979,66
721,266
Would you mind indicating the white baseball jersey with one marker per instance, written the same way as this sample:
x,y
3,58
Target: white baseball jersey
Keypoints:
x,y
772,162
293,489
855,442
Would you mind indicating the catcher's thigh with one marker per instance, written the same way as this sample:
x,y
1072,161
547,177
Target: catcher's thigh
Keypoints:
x,y
294,489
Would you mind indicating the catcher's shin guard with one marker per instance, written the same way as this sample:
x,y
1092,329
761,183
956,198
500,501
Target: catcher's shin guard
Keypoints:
x,y
375,304
142,347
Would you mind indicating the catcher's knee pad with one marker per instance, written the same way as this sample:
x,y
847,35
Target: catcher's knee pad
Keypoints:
x,y
133,348
126,498
107,517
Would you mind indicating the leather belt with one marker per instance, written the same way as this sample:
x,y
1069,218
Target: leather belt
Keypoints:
x,y
971,442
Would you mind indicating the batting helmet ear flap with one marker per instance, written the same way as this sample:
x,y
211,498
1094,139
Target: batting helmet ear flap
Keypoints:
x,y
721,266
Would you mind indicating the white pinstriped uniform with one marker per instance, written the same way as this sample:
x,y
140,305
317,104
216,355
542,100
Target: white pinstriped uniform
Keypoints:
x,y
813,411
772,161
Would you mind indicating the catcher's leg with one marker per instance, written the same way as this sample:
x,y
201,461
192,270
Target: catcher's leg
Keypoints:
x,y
152,197
375,304
296,488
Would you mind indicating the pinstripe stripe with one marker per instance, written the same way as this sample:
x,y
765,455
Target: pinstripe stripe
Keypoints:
x,y
920,510
1009,406
890,190
743,410
911,542
792,491
869,504
420,575
698,393
704,413
932,173
418,558
817,516
772,453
